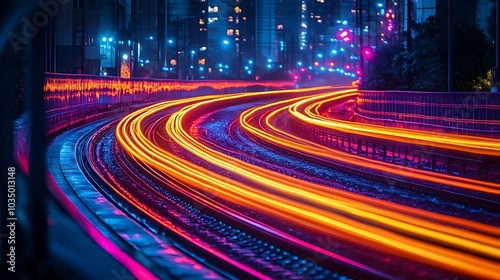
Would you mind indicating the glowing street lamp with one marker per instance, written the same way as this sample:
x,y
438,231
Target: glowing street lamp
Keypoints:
x,y
367,53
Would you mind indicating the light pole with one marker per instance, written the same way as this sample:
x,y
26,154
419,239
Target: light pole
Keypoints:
x,y
450,49
108,51
192,59
496,82
191,66
238,53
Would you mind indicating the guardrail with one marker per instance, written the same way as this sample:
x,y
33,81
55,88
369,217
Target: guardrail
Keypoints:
x,y
439,160
65,91
75,99
470,113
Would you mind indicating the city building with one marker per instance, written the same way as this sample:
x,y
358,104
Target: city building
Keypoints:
x,y
231,39
77,38
236,39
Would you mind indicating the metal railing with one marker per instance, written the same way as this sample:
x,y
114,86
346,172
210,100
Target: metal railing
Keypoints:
x,y
470,113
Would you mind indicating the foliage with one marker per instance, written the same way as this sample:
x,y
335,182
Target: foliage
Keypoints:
x,y
492,23
470,57
389,78
427,59
483,83
423,67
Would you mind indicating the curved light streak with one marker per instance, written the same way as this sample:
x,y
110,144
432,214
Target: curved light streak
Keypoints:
x,y
310,204
309,147
466,143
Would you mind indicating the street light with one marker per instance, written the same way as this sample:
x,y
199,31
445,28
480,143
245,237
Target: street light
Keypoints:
x,y
192,59
109,55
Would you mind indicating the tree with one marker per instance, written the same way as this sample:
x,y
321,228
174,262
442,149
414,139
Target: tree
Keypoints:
x,y
424,68
425,65
492,23
381,72
471,57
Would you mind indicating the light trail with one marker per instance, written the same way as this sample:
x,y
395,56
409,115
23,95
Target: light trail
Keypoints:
x,y
466,143
305,146
382,225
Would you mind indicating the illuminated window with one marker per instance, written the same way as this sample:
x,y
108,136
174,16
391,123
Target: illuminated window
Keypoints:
x,y
244,18
201,61
304,7
213,9
237,32
280,26
237,9
230,19
212,19
201,22
230,32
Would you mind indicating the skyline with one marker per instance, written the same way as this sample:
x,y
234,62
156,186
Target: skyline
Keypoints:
x,y
229,39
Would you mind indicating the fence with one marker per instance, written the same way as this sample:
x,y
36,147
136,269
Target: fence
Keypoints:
x,y
72,100
64,91
470,113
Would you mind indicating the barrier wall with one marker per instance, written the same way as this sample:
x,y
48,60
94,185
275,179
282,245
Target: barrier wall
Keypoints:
x,y
63,91
72,100
471,113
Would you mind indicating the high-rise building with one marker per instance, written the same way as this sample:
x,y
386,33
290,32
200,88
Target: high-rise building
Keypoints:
x,y
77,39
231,35
243,39
277,40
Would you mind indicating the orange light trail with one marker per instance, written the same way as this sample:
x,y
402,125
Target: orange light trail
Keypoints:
x,y
383,225
466,143
309,147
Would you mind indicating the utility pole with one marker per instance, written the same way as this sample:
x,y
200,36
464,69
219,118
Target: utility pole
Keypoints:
x,y
369,23
409,26
161,36
116,40
134,57
450,48
409,23
361,61
83,37
496,85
